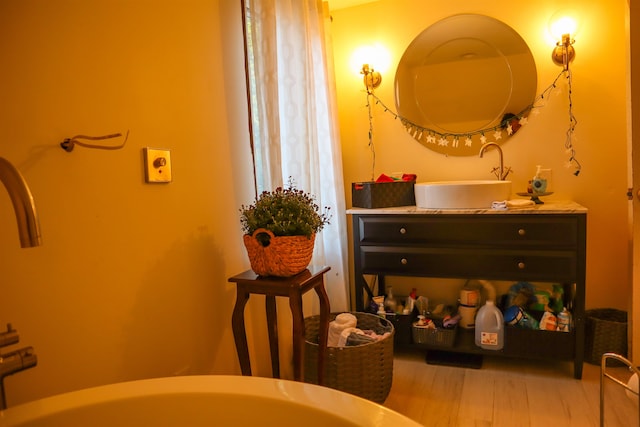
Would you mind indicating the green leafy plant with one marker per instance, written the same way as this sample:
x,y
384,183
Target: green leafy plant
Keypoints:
x,y
285,212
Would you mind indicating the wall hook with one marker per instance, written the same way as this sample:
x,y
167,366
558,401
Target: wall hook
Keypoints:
x,y
68,144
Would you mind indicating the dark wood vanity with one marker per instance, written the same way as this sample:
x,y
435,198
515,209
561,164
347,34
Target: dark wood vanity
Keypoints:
x,y
543,243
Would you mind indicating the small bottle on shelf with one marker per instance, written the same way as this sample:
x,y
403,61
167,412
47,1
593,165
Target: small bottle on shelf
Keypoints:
x,y
564,320
381,311
390,302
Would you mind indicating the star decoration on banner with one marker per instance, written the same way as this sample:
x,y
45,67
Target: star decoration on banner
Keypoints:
x,y
483,139
497,135
431,139
523,121
443,141
468,141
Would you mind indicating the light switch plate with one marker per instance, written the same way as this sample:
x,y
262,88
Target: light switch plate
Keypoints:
x,y
157,165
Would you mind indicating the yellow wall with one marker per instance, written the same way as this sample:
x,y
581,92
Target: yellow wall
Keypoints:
x,y
599,102
131,280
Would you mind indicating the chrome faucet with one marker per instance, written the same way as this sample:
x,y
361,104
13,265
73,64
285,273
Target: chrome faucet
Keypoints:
x,y
14,361
500,171
23,204
29,233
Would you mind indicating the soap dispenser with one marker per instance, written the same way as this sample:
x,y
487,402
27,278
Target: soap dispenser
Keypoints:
x,y
539,181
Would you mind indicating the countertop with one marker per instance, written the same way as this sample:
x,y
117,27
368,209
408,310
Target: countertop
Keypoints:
x,y
549,207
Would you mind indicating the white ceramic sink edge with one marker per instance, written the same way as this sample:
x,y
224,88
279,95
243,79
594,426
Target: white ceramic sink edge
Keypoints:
x,y
470,194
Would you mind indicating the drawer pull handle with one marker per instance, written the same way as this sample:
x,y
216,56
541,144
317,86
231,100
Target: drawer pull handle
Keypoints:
x,y
522,232
403,230
521,265
404,261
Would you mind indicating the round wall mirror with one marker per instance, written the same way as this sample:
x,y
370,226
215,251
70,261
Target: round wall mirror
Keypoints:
x,y
464,80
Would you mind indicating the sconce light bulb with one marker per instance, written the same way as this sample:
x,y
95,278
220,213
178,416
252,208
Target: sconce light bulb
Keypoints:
x,y
563,23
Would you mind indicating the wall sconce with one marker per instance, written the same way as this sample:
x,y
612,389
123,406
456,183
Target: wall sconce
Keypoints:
x,y
564,52
371,79
370,61
562,28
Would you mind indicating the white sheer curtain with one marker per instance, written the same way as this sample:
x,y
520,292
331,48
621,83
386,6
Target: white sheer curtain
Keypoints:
x,y
294,118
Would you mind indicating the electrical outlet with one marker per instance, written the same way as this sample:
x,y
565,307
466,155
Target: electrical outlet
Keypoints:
x,y
157,165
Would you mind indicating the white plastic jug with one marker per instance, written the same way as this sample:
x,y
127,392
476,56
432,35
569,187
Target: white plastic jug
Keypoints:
x,y
490,327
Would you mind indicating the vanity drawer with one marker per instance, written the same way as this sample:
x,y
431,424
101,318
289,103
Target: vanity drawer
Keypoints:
x,y
530,265
482,230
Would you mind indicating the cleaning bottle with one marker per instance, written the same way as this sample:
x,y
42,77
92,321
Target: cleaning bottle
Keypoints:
x,y
489,327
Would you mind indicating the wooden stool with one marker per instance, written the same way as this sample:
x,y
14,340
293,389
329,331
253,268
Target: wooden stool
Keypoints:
x,y
292,287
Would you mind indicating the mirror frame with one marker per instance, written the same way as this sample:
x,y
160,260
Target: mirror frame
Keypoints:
x,y
495,44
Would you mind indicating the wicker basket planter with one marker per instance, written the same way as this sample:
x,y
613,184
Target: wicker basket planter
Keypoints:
x,y
282,256
364,370
605,332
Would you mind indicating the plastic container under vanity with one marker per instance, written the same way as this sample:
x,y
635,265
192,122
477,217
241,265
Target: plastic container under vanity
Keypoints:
x,y
516,316
489,333
467,316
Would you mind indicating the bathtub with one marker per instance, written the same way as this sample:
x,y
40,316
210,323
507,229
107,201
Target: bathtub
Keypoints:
x,y
207,400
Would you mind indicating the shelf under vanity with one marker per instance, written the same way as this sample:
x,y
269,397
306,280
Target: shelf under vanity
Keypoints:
x,y
541,243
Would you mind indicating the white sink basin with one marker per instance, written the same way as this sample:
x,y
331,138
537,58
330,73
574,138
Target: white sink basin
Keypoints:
x,y
461,194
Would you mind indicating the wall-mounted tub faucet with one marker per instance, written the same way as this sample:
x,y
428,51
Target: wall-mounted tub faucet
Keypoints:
x,y
29,233
23,204
10,336
14,361
500,171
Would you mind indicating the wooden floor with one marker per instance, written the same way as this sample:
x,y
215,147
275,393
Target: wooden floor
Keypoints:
x,y
507,392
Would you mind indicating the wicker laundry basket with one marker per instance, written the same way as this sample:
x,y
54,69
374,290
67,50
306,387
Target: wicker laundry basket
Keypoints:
x,y
605,332
364,370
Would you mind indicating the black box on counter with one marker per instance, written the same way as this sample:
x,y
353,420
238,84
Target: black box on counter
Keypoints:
x,y
372,194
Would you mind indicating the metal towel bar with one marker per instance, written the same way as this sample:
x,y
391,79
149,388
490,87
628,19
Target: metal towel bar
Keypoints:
x,y
604,374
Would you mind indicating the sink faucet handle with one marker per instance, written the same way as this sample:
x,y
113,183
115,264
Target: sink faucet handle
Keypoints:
x,y
497,173
505,174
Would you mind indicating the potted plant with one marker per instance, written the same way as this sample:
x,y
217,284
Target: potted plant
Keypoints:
x,y
280,229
